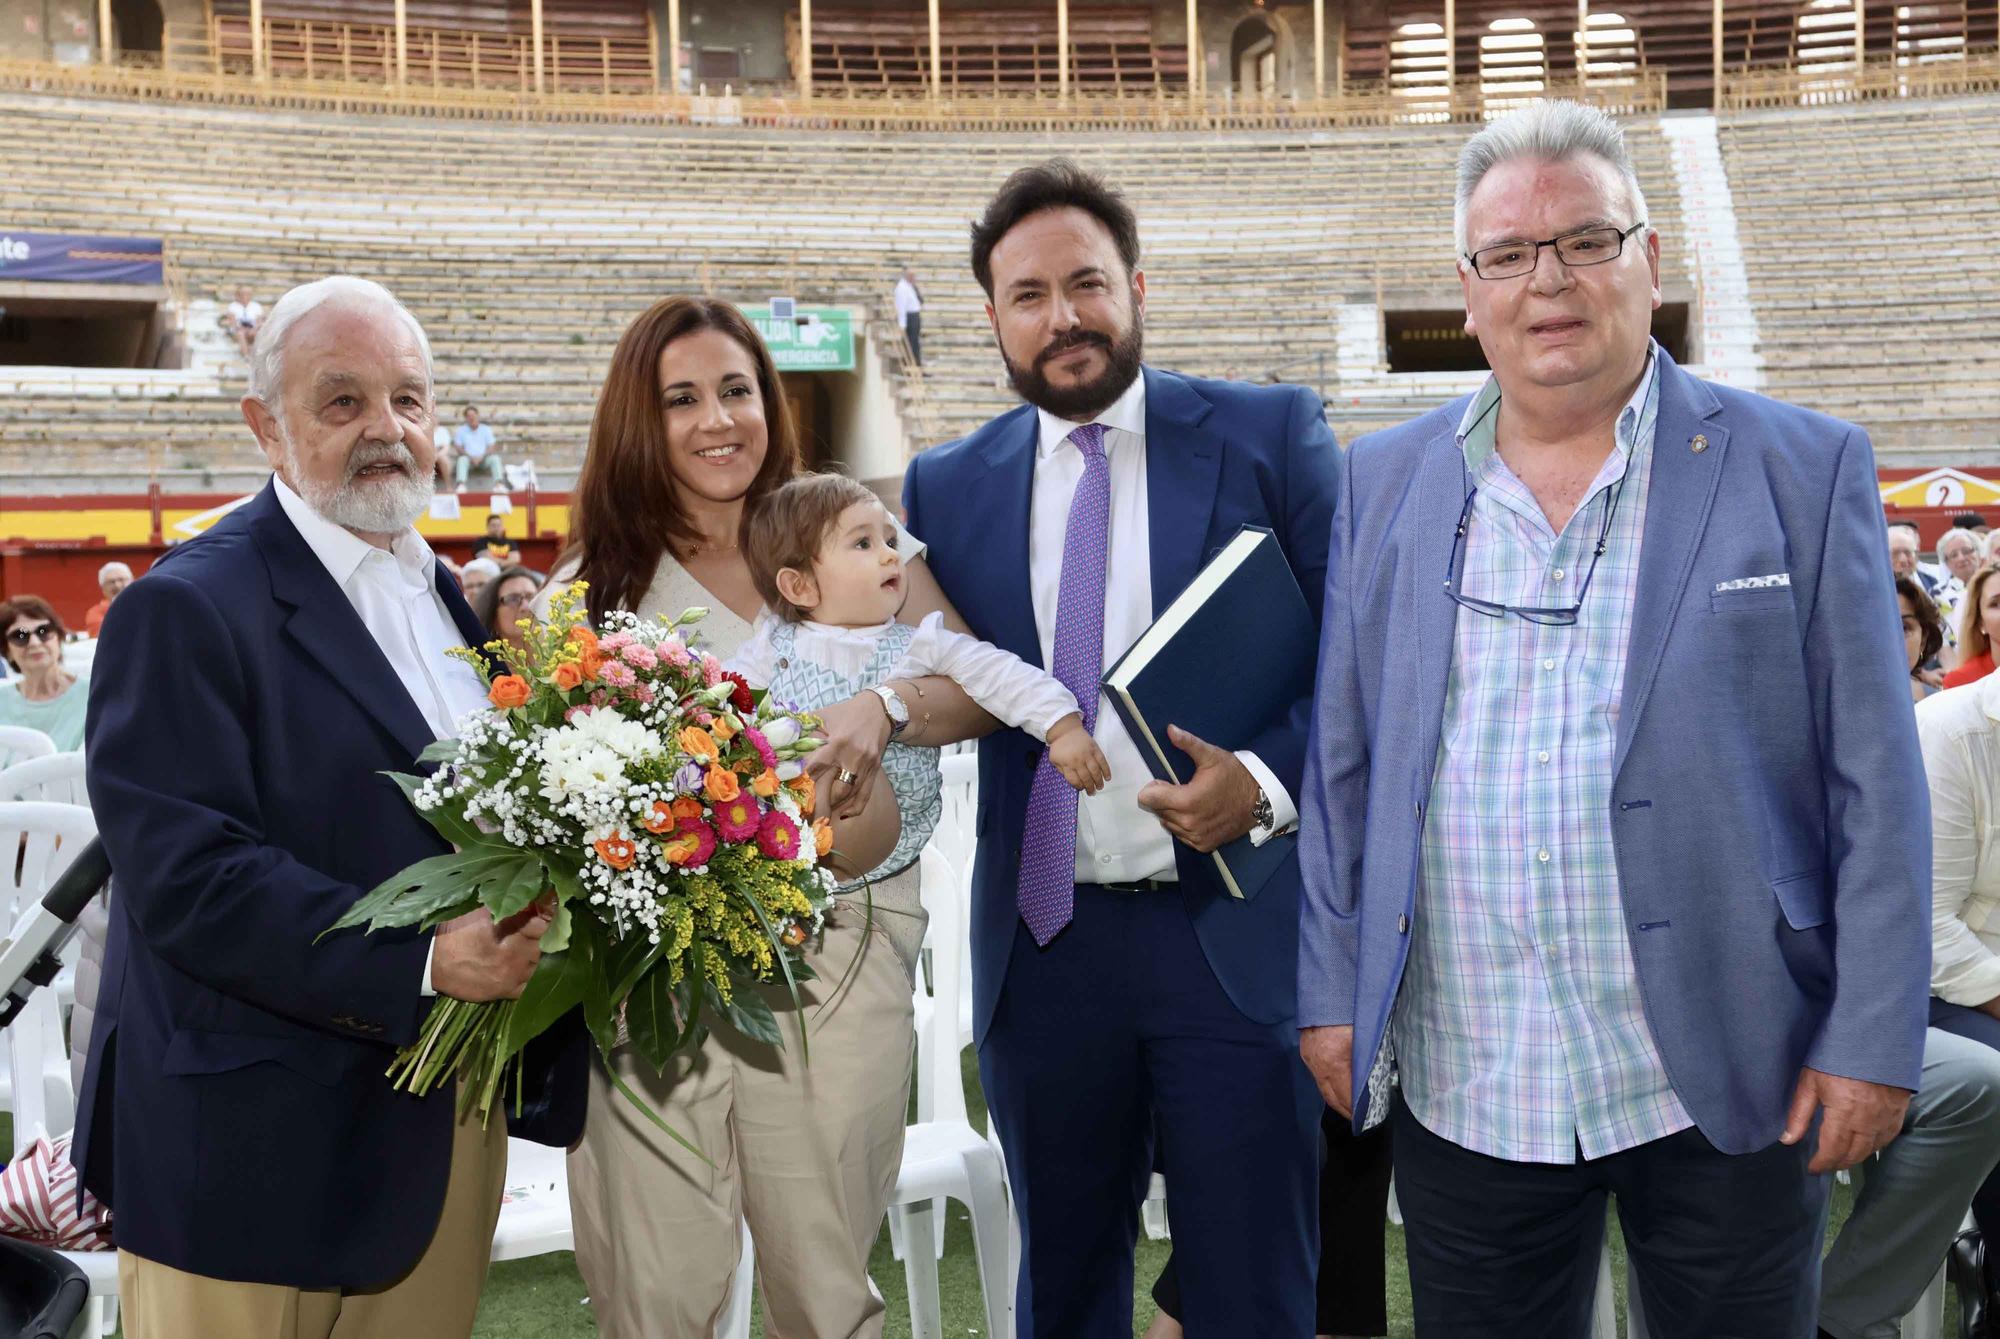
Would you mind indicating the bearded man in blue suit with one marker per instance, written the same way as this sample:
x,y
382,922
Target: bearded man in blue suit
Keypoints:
x,y
1117,988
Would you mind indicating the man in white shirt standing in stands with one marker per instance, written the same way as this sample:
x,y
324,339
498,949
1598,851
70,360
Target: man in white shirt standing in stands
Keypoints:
x,y
267,1180
910,313
473,441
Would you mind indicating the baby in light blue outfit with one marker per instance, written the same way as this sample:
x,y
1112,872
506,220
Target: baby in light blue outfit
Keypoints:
x,y
824,553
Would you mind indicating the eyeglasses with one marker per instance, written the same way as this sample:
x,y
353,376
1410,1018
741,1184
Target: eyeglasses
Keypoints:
x,y
519,599
46,632
1511,260
1559,617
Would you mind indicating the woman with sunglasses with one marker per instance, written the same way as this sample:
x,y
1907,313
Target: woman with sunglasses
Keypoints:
x,y
504,601
45,696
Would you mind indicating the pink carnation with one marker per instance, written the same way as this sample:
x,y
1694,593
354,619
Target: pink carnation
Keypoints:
x,y
580,709
674,652
643,694
711,669
778,837
616,642
638,655
618,674
765,753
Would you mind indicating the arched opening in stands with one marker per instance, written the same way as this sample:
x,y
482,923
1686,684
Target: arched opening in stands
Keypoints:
x,y
137,25
1419,69
1610,50
1824,41
1513,64
1253,56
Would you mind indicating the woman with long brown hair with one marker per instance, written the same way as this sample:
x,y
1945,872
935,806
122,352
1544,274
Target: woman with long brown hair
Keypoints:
x,y
691,430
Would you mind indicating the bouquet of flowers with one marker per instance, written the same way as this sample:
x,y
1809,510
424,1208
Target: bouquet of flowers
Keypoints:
x,y
660,800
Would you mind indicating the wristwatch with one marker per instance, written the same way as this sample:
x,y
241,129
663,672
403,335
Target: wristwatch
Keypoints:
x,y
1261,813
899,711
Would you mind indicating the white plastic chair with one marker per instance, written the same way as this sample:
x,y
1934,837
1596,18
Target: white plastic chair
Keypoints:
x,y
48,836
944,1157
534,1207
56,778
18,744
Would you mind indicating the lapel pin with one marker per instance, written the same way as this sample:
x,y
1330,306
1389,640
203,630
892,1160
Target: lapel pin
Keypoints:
x,y
1699,444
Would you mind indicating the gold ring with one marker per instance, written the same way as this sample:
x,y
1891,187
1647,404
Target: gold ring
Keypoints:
x,y
845,777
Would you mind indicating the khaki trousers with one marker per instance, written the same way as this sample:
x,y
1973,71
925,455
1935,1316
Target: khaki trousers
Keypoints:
x,y
437,1299
806,1152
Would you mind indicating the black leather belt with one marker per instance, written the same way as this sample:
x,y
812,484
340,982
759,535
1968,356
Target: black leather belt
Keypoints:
x,y
1139,886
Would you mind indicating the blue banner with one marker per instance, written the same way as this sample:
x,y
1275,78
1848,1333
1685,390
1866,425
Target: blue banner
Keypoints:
x,y
62,257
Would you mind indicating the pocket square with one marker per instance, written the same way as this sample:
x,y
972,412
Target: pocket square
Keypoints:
x,y
1754,583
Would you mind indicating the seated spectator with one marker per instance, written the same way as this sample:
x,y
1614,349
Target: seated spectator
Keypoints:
x,y
505,601
496,545
240,319
45,696
111,578
1978,625
1912,1196
1960,733
472,441
1923,634
441,471
1961,553
472,578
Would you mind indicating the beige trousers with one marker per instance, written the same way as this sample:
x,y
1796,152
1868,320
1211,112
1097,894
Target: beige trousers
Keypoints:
x,y
807,1153
437,1299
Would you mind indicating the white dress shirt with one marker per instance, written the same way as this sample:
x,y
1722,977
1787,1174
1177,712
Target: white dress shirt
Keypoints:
x,y
395,593
908,301
1008,687
1116,840
1960,732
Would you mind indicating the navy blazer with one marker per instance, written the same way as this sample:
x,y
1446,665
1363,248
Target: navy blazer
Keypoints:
x,y
1219,455
1768,807
234,1111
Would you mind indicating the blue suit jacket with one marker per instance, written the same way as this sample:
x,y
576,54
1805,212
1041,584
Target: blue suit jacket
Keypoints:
x,y
1219,455
1768,807
234,1111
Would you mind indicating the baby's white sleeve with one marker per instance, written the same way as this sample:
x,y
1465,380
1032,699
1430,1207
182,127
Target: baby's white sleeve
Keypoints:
x,y
753,659
1003,683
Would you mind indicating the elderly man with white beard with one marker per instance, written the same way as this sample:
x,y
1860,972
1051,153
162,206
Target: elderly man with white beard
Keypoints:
x,y
266,1180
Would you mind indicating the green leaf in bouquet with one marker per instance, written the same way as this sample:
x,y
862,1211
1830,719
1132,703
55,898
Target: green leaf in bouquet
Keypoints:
x,y
425,892
452,826
652,1018
443,750
556,987
511,895
749,1013
561,926
784,958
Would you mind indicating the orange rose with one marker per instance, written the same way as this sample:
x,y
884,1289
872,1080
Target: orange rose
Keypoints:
x,y
803,786
567,675
765,783
724,728
698,743
686,806
822,837
593,661
680,850
616,851
662,818
583,637
509,691
721,785
748,766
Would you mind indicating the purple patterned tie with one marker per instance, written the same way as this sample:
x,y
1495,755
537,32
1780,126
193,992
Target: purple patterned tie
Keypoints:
x,y
1047,892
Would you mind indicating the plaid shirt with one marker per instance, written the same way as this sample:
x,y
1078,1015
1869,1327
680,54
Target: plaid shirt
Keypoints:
x,y
1519,1031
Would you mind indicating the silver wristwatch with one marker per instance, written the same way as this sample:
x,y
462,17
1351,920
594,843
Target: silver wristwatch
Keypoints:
x,y
899,711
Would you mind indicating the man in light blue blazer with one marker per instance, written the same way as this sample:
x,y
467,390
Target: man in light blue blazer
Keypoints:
x,y
1117,988
1615,849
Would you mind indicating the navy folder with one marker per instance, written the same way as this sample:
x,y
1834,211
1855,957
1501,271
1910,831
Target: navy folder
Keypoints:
x,y
1225,661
